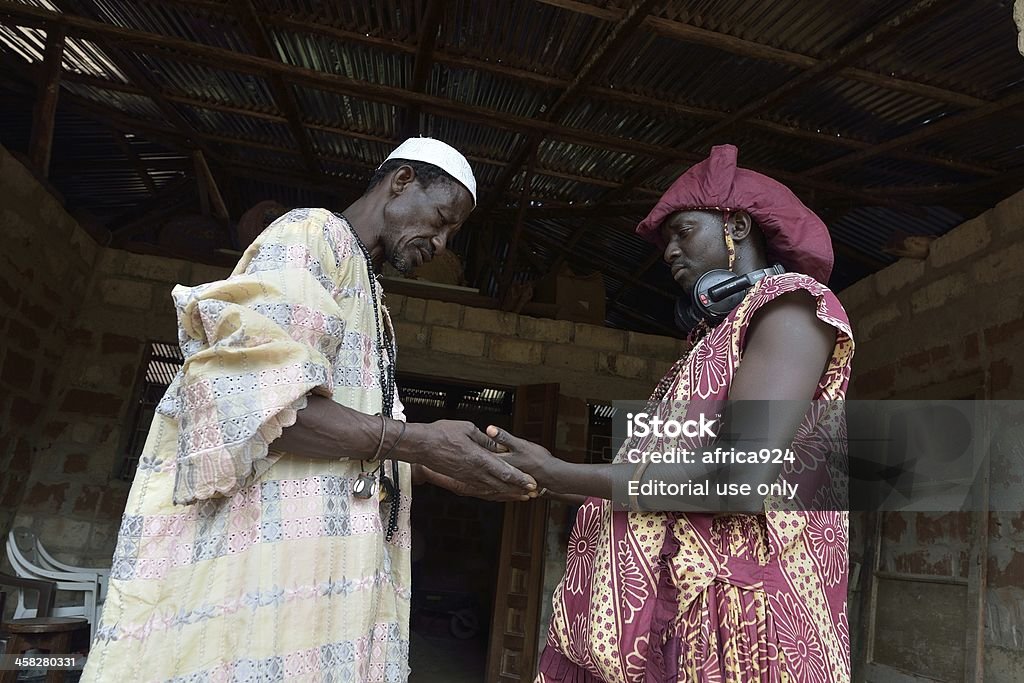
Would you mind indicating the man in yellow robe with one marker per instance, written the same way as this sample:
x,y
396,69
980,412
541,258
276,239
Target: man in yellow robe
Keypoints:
x,y
266,535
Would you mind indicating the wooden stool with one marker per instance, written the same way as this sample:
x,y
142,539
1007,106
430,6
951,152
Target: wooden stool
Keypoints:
x,y
53,634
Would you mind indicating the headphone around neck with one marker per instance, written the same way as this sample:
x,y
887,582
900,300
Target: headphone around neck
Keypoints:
x,y
716,293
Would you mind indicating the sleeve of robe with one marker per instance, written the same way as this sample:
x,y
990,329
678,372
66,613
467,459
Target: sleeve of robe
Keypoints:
x,y
256,345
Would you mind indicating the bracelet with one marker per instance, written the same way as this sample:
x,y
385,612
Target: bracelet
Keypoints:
x,y
395,445
380,446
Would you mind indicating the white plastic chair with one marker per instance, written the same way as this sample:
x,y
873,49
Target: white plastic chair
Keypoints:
x,y
47,561
86,583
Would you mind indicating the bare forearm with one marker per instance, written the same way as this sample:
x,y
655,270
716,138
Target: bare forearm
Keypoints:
x,y
579,479
328,430
456,450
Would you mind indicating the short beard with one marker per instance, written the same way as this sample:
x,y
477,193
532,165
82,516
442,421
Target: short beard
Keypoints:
x,y
399,262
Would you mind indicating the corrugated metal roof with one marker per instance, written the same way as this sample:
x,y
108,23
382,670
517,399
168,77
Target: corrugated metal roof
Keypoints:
x,y
495,72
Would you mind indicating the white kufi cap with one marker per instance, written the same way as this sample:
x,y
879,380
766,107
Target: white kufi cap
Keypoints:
x,y
440,154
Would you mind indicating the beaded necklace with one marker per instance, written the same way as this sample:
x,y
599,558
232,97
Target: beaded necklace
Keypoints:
x,y
384,338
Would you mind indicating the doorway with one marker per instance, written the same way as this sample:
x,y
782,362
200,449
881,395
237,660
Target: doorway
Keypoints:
x,y
456,542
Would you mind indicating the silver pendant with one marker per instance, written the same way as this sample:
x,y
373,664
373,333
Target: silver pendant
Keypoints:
x,y
365,486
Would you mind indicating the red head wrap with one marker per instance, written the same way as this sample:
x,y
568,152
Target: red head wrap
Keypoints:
x,y
794,235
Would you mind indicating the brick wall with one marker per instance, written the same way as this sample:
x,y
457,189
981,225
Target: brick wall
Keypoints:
x,y
954,319
74,499
489,346
952,326
45,264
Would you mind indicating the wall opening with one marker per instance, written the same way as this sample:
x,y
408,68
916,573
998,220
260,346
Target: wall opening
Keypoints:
x,y
456,542
160,364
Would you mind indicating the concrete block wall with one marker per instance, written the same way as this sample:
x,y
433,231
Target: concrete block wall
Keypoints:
x,y
74,499
952,326
954,318
46,263
490,346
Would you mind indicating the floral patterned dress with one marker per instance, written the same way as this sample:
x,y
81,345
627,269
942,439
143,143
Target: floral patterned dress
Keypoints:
x,y
718,598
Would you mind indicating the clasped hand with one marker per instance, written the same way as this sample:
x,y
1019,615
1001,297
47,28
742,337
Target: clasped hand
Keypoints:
x,y
493,466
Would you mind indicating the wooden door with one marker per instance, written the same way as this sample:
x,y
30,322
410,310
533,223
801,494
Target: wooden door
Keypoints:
x,y
927,627
512,653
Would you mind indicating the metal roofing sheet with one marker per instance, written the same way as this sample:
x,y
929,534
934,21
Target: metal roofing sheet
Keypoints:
x,y
350,113
969,48
218,29
704,76
966,49
524,33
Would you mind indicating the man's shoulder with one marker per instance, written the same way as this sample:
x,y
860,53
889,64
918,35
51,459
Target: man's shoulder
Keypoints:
x,y
318,222
305,213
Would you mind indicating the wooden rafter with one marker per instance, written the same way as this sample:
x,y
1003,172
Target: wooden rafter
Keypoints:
x,y
209,193
432,17
614,41
894,196
335,83
271,117
747,48
661,104
634,208
134,160
227,147
281,91
939,127
508,268
125,62
871,39
45,115
165,202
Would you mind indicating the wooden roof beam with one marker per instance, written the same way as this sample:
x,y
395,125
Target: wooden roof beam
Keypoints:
x,y
45,110
790,131
335,83
750,49
281,91
881,34
1008,103
221,58
433,15
134,160
334,130
613,42
88,11
588,210
508,269
618,37
209,194
102,113
660,104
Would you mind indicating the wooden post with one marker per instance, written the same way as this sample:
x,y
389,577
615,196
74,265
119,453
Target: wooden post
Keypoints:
x,y
513,248
209,193
46,101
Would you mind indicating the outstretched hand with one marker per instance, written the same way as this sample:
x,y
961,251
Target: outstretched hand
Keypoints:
x,y
421,474
462,459
524,455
